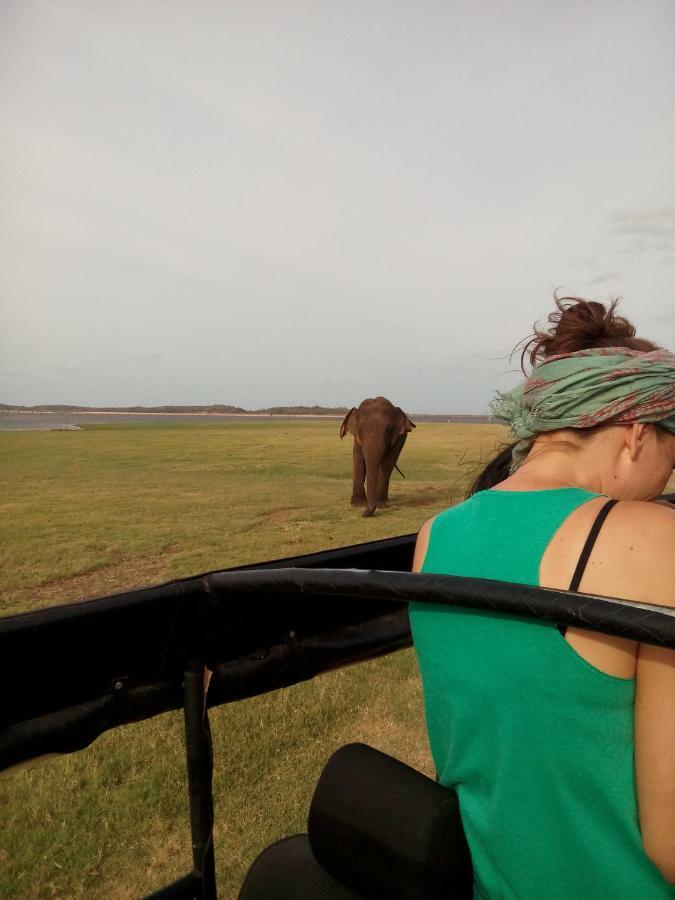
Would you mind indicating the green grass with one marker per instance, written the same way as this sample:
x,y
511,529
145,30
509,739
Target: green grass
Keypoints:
x,y
110,507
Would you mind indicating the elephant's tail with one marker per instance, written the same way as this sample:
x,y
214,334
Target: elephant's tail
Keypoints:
x,y
399,471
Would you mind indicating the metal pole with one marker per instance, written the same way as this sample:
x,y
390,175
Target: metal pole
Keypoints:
x,y
199,754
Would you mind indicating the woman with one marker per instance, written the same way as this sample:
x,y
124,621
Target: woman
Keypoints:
x,y
561,743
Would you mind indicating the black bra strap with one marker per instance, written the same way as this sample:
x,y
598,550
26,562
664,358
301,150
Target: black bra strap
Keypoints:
x,y
586,552
590,543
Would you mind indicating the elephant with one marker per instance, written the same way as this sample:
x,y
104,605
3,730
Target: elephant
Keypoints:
x,y
380,430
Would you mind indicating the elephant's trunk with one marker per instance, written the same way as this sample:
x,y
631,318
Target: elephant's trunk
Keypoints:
x,y
373,457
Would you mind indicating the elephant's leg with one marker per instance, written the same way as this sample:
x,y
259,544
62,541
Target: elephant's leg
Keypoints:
x,y
383,486
373,453
359,477
388,462
383,481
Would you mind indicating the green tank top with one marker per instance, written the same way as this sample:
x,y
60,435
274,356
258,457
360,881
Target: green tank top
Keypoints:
x,y
537,743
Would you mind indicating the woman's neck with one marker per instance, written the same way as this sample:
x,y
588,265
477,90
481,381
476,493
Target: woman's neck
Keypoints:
x,y
550,465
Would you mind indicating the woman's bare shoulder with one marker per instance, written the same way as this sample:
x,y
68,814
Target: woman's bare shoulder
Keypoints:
x,y
426,528
637,552
632,517
422,544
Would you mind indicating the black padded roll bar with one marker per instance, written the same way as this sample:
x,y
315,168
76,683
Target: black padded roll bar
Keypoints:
x,y
637,621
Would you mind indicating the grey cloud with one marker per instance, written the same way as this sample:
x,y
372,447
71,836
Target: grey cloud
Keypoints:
x,y
647,230
653,223
605,276
633,248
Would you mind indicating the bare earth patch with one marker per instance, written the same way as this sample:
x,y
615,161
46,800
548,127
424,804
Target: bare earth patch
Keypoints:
x,y
125,574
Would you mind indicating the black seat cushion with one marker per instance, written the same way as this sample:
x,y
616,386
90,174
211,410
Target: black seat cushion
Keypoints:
x,y
287,870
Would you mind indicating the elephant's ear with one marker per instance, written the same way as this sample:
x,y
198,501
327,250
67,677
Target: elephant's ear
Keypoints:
x,y
407,425
344,428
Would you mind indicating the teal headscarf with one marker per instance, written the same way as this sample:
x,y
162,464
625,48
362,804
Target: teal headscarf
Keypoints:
x,y
586,388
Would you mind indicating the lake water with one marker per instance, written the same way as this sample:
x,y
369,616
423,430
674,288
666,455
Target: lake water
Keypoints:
x,y
66,421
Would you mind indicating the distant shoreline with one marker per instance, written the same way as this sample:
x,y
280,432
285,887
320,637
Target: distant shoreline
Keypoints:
x,y
74,420
278,413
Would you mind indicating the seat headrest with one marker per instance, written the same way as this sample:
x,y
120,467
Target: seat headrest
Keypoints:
x,y
386,830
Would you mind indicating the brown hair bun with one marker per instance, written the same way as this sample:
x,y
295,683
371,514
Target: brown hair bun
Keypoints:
x,y
578,324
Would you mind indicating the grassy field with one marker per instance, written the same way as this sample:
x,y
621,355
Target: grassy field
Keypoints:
x,y
116,506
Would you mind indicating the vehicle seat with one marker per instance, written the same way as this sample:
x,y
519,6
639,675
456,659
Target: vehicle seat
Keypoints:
x,y
376,828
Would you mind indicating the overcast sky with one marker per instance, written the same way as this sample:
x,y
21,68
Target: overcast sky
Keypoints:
x,y
266,203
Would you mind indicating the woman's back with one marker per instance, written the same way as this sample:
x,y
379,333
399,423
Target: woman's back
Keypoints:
x,y
537,742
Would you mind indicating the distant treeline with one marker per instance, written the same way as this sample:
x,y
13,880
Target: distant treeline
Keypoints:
x,y
220,408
